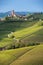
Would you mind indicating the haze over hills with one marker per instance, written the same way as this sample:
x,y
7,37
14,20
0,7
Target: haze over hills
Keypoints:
x,y
9,12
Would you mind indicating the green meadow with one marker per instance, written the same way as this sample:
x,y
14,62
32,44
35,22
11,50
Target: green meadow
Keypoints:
x,y
32,57
8,56
29,31
21,42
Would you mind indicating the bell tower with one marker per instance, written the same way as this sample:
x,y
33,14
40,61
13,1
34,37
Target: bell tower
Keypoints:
x,y
13,13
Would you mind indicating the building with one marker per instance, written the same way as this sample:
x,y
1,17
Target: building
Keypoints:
x,y
13,13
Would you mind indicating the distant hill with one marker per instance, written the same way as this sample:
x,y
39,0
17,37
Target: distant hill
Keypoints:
x,y
4,14
9,12
23,13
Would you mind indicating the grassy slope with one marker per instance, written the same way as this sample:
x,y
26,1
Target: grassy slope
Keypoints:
x,y
35,37
8,56
33,57
8,27
23,33
28,31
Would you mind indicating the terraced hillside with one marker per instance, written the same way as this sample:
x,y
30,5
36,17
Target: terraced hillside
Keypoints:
x,y
32,57
28,32
7,27
25,34
33,34
36,37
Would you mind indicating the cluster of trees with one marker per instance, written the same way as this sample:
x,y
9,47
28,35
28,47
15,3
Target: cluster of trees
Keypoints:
x,y
11,35
16,43
13,19
30,17
20,45
35,17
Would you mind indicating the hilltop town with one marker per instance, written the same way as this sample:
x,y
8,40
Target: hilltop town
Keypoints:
x,y
14,15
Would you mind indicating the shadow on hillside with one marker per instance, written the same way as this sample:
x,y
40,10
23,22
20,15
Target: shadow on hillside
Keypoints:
x,y
34,37
8,27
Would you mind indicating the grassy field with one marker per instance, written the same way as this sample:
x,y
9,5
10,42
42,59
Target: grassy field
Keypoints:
x,y
7,27
26,31
8,56
35,37
33,57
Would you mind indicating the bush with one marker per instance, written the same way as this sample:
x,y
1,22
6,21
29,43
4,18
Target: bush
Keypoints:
x,y
41,23
22,45
14,45
17,45
8,47
37,43
32,44
11,35
7,18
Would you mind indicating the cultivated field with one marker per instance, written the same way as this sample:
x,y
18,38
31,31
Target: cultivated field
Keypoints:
x,y
29,31
32,57
25,44
8,56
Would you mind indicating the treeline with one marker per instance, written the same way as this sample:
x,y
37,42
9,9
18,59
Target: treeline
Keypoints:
x,y
29,17
18,45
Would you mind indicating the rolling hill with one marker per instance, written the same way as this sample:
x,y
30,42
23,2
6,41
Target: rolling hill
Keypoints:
x,y
8,56
33,57
7,28
25,34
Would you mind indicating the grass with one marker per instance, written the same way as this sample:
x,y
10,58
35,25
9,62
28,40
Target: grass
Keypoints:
x,y
5,42
35,37
8,56
6,28
27,31
33,57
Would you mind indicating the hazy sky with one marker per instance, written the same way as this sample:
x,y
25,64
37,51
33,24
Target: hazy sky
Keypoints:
x,y
21,5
